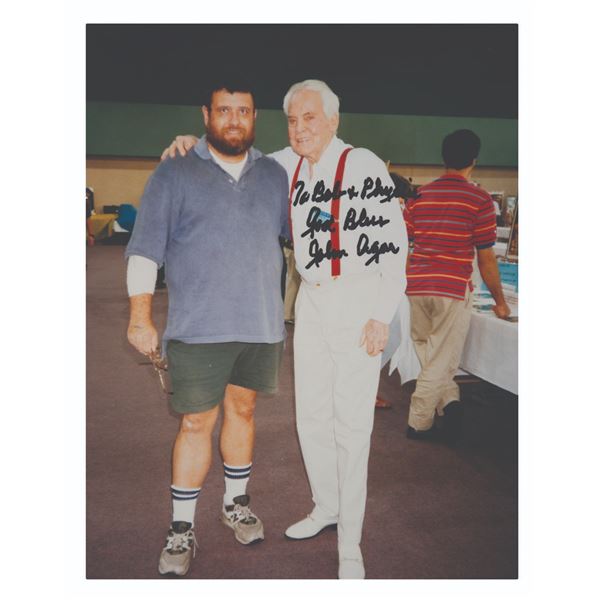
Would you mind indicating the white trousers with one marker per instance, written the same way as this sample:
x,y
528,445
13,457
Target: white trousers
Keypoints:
x,y
336,383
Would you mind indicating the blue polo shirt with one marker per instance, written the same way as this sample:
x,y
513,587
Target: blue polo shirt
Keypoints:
x,y
219,240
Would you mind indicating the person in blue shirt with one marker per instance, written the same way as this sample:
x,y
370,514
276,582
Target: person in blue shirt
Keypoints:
x,y
214,218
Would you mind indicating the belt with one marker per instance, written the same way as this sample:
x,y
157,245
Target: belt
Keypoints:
x,y
341,279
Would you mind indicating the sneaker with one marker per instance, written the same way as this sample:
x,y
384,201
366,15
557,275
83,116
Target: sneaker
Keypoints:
x,y
179,549
247,527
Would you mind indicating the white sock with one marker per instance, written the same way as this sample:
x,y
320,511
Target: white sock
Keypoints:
x,y
184,503
236,479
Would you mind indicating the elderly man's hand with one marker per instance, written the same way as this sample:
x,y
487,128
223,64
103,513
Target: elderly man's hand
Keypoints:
x,y
143,337
375,335
181,144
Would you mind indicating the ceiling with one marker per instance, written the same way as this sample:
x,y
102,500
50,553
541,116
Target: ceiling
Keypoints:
x,y
445,70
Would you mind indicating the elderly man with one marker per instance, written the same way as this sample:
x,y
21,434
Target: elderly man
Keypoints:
x,y
350,246
220,210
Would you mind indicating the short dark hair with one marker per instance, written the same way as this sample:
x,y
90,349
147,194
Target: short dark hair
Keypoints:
x,y
460,149
232,85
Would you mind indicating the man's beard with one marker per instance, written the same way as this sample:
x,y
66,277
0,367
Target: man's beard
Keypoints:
x,y
224,146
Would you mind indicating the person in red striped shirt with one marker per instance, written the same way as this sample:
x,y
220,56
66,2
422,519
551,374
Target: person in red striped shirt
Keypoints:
x,y
451,220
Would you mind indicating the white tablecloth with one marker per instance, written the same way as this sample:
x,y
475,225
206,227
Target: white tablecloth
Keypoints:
x,y
491,351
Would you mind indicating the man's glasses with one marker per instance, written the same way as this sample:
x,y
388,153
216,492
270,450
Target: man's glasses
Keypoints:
x,y
159,364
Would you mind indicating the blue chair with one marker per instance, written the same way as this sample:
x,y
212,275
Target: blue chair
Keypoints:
x,y
126,216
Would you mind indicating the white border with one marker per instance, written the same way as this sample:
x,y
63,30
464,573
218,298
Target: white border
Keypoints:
x,y
43,43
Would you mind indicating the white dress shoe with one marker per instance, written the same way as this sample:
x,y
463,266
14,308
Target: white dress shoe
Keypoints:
x,y
308,528
351,568
351,562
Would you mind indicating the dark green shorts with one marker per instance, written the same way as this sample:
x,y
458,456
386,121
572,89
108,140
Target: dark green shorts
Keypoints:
x,y
199,373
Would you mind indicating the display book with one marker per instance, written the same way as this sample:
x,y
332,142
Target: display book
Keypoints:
x,y
506,249
507,225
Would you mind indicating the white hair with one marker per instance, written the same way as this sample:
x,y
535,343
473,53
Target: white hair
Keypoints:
x,y
331,103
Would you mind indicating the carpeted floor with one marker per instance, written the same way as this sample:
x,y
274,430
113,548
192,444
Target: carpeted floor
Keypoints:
x,y
433,512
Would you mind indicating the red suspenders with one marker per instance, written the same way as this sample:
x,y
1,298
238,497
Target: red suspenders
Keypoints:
x,y
335,208
335,212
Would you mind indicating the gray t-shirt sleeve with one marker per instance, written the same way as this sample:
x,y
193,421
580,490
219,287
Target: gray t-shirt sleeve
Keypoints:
x,y
153,221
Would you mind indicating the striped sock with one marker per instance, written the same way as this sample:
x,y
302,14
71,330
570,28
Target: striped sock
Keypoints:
x,y
184,503
236,479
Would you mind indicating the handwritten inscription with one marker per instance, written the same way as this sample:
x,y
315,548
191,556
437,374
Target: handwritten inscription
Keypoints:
x,y
318,254
371,188
314,223
364,246
351,222
356,218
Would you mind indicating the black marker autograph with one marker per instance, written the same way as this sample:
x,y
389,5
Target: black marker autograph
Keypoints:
x,y
376,249
370,189
319,255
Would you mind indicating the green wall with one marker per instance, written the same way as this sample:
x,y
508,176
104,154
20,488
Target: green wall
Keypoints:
x,y
143,130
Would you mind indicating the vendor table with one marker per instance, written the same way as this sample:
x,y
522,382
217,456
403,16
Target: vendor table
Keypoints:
x,y
101,224
491,351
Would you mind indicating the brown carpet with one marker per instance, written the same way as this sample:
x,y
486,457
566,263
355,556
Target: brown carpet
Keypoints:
x,y
432,511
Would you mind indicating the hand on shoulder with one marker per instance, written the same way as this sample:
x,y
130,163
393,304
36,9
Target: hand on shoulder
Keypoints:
x,y
179,146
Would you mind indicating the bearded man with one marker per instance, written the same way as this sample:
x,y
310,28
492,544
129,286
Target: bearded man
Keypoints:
x,y
213,217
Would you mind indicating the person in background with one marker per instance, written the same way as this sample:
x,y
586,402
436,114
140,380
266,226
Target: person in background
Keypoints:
x,y
89,211
449,222
213,217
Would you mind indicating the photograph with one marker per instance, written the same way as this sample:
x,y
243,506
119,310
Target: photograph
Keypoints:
x,y
300,357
